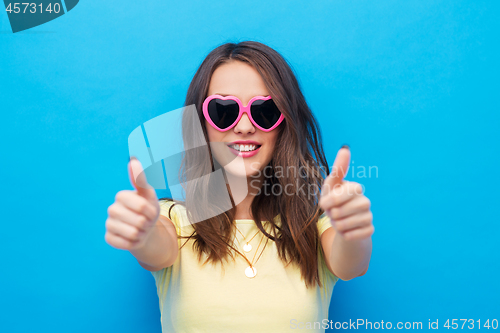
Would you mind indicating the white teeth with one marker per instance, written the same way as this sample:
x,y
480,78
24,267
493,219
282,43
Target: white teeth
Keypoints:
x,y
244,147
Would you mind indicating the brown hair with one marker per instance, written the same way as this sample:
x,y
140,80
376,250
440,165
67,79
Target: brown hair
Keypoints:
x,y
298,146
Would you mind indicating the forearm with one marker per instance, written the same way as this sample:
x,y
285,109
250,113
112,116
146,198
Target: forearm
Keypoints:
x,y
156,251
351,258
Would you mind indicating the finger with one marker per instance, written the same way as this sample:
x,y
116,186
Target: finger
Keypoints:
x,y
339,195
123,230
118,242
339,169
354,221
139,205
359,233
357,205
122,213
139,181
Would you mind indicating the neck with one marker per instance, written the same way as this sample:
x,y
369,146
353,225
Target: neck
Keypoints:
x,y
243,209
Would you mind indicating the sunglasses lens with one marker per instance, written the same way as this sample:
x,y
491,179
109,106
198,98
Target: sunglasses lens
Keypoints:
x,y
223,112
265,113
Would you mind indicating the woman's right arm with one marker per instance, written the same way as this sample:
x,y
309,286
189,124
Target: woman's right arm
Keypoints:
x,y
161,249
134,223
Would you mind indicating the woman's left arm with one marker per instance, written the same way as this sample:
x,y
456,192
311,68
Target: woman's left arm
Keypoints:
x,y
348,245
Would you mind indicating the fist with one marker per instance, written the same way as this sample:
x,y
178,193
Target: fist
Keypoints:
x,y
134,213
344,201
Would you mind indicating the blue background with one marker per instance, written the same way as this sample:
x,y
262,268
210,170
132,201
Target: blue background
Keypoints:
x,y
411,86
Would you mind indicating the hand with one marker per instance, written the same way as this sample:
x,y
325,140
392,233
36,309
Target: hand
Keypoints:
x,y
344,201
134,213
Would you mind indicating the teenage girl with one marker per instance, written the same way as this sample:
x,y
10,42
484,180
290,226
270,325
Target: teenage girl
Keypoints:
x,y
269,263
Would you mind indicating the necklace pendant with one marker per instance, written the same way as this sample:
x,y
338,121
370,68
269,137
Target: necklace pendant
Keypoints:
x,y
250,272
247,247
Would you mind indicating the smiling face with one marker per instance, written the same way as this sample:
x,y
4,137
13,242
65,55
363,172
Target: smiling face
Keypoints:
x,y
241,80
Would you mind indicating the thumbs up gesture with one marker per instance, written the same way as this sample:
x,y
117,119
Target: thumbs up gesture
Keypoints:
x,y
134,213
344,201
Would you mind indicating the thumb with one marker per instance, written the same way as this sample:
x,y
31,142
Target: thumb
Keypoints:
x,y
139,181
339,169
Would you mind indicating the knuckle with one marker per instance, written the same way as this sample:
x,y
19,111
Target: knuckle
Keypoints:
x,y
358,188
366,204
337,190
112,210
107,238
324,201
119,196
141,221
369,203
107,224
143,207
334,197
351,188
134,234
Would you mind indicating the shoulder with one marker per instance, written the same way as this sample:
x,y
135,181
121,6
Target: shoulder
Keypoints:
x,y
324,222
167,207
175,212
326,234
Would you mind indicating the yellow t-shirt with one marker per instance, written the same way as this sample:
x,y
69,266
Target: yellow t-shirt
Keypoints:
x,y
196,298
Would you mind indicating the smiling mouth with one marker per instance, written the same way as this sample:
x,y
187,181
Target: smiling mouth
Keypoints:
x,y
244,148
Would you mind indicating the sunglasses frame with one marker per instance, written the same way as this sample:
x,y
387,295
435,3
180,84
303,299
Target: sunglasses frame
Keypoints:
x,y
242,109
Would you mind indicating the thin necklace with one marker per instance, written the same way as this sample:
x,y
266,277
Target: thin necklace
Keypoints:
x,y
251,271
247,247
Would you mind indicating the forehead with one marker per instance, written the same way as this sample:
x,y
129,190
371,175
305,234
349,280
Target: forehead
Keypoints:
x,y
238,79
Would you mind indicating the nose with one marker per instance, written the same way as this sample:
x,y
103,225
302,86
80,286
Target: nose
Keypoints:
x,y
244,126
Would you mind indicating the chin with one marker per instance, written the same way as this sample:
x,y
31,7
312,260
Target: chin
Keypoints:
x,y
239,166
250,169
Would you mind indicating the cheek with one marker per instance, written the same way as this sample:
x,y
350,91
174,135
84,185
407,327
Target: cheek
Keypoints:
x,y
213,134
273,139
271,143
219,151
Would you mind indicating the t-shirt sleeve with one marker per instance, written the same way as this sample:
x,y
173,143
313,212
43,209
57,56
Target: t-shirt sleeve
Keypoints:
x,y
172,214
324,223
162,275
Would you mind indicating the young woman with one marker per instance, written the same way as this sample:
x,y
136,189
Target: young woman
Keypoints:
x,y
268,263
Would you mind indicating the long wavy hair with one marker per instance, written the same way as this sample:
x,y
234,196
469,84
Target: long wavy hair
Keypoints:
x,y
298,147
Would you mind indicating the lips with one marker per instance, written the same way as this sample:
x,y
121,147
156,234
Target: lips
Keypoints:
x,y
245,148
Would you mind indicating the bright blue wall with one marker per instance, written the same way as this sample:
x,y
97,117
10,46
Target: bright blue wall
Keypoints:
x,y
411,86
